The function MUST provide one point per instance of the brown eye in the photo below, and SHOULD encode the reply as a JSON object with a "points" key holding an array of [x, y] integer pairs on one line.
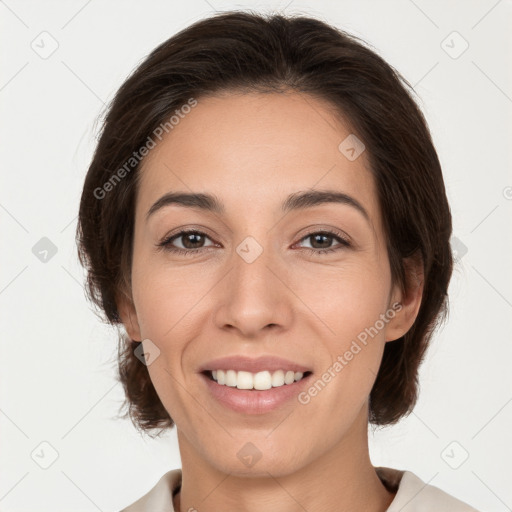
{"points": [[321, 239], [321, 242], [191, 241]]}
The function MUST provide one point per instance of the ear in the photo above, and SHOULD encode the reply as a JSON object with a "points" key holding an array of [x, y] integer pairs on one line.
{"points": [[410, 300], [128, 314]]}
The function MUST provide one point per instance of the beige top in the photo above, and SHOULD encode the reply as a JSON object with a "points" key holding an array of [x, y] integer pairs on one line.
{"points": [[412, 494]]}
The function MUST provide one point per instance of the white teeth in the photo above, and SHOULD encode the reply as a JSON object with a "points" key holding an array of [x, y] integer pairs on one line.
{"points": [[289, 377], [277, 378], [259, 381], [231, 378], [244, 380], [262, 380]]}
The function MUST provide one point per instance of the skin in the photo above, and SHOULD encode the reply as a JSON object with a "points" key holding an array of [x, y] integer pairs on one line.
{"points": [[251, 151]]}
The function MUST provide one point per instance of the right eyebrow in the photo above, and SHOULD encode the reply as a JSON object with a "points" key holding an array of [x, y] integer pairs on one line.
{"points": [[207, 202]]}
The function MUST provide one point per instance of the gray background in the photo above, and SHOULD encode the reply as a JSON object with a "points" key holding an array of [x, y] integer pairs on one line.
{"points": [[61, 62]]}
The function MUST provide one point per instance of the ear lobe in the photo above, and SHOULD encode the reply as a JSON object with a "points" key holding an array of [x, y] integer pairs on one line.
{"points": [[128, 315], [410, 300]]}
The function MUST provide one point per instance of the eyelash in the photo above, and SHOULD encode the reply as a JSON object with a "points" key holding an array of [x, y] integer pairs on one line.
{"points": [[165, 243]]}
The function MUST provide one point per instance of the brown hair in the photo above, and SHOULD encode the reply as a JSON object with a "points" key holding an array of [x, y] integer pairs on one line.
{"points": [[251, 52]]}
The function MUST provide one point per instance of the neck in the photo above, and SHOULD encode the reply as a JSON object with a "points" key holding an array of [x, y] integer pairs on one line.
{"points": [[341, 479]]}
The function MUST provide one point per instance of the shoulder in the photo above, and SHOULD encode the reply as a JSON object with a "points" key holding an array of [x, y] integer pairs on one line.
{"points": [[414, 495], [160, 496]]}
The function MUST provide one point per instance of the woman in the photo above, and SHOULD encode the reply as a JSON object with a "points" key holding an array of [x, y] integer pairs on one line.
{"points": [[265, 214]]}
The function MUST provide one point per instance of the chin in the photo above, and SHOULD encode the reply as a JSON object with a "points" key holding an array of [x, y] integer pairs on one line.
{"points": [[259, 458]]}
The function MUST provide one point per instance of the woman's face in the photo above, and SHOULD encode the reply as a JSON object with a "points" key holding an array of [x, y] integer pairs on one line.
{"points": [[261, 280]]}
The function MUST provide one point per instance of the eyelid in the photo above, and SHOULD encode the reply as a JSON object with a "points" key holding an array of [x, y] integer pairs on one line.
{"points": [[327, 230], [194, 228]]}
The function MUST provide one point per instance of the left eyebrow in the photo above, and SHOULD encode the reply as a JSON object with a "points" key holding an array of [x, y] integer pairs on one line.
{"points": [[310, 198], [296, 201]]}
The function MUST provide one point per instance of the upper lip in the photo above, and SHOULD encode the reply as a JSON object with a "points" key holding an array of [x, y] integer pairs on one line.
{"points": [[253, 365]]}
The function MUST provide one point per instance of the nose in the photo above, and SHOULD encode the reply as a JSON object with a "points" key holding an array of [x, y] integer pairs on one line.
{"points": [[253, 297]]}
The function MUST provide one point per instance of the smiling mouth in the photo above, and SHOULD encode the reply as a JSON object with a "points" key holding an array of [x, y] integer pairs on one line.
{"points": [[259, 381]]}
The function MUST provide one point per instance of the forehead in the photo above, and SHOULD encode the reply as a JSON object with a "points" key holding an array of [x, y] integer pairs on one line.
{"points": [[252, 150]]}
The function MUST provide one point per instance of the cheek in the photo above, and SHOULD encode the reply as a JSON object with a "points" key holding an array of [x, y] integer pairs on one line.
{"points": [[351, 302], [165, 296], [169, 303], [348, 297]]}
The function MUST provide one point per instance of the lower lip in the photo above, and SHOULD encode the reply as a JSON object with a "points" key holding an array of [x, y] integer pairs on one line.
{"points": [[255, 401]]}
